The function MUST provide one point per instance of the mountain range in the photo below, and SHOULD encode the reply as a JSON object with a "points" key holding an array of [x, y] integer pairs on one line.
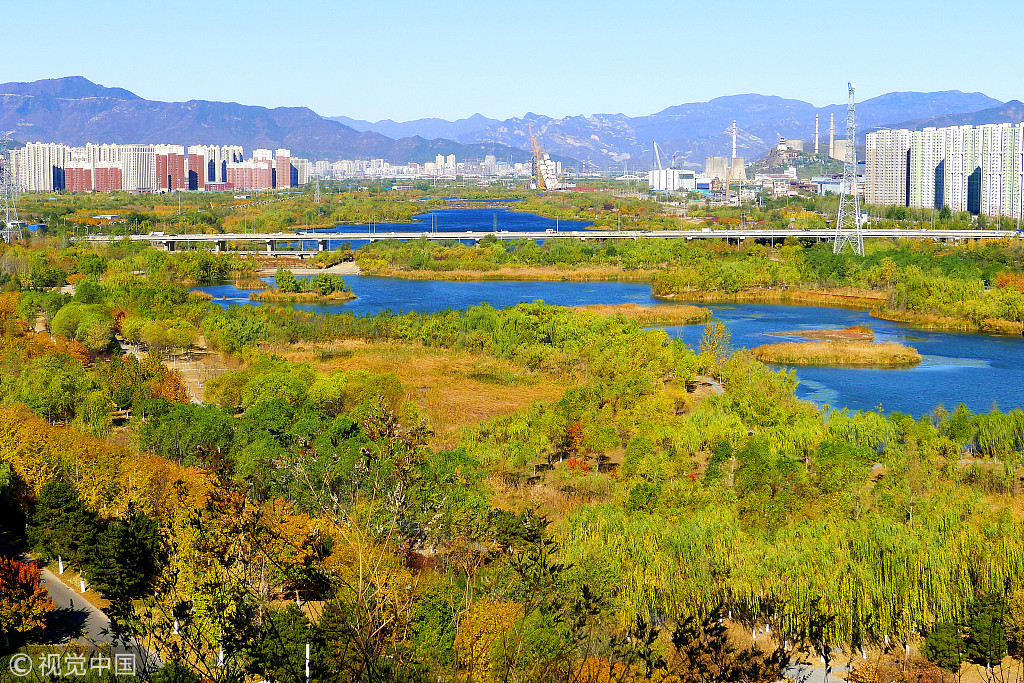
{"points": [[75, 110], [690, 132]]}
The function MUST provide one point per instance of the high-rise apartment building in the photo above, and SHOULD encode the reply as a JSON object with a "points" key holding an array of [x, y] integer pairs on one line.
{"points": [[170, 168], [283, 168], [975, 169]]}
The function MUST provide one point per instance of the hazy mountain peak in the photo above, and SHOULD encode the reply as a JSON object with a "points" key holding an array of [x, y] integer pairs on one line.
{"points": [[68, 87]]}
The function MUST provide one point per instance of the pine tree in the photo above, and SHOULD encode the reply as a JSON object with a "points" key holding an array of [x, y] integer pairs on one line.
{"points": [[125, 556], [60, 525]]}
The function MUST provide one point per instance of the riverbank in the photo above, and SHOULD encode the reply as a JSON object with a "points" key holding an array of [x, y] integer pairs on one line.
{"points": [[276, 296], [839, 354], [511, 273], [843, 298], [347, 268], [930, 321]]}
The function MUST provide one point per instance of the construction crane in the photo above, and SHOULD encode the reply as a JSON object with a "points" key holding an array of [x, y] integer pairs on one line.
{"points": [[657, 155], [538, 176], [544, 169]]}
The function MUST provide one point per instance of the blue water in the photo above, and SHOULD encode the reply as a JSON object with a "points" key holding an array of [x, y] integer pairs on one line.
{"points": [[981, 371], [453, 220]]}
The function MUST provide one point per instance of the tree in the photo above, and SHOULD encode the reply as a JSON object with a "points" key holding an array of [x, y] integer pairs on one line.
{"points": [[986, 642], [24, 603], [286, 281], [60, 524], [125, 556], [703, 653], [945, 646]]}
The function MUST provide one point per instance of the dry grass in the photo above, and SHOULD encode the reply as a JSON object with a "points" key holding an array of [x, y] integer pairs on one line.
{"points": [[276, 296], [851, 354], [844, 297], [945, 322], [664, 314], [453, 388], [552, 273], [852, 333]]}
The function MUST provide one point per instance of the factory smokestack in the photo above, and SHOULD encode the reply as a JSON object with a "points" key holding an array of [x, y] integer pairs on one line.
{"points": [[734, 138], [815, 133], [832, 136]]}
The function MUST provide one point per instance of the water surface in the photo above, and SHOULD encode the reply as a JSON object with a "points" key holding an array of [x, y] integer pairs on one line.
{"points": [[981, 371]]}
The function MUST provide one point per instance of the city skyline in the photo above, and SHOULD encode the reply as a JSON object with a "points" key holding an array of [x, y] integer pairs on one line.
{"points": [[457, 59]]}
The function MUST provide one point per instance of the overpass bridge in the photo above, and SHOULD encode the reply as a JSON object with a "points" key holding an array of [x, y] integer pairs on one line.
{"points": [[272, 243]]}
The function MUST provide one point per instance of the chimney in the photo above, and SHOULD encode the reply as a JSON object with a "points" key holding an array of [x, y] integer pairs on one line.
{"points": [[734, 138], [815, 133], [832, 136]]}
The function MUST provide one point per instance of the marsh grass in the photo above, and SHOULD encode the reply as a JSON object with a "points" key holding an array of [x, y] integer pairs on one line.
{"points": [[663, 314], [276, 296], [853, 354]]}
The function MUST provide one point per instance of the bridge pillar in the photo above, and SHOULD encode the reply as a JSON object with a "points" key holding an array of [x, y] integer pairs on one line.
{"points": [[220, 246], [271, 244], [321, 245], [169, 245]]}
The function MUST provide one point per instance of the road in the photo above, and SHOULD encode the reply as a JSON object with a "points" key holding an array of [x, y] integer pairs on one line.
{"points": [[77, 619]]}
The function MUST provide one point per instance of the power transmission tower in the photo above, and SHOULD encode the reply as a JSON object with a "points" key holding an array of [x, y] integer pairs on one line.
{"points": [[317, 197], [848, 222], [11, 231]]}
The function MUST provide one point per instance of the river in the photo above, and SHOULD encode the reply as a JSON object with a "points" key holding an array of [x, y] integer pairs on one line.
{"points": [[981, 371]]}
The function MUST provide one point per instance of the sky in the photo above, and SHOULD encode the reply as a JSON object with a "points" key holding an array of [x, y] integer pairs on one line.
{"points": [[449, 59]]}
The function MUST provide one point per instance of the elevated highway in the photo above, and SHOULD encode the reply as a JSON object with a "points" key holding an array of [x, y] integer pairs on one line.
{"points": [[273, 243]]}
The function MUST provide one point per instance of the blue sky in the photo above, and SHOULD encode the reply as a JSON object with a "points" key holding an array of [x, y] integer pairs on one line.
{"points": [[449, 59]]}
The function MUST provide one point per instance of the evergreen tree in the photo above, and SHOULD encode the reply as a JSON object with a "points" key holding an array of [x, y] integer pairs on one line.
{"points": [[986, 643], [945, 646], [125, 556], [60, 525]]}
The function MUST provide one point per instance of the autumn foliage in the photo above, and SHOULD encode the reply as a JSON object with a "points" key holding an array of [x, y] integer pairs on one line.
{"points": [[24, 602]]}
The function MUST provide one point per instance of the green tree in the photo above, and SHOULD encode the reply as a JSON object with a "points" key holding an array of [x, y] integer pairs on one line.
{"points": [[125, 556], [285, 280], [61, 525], [945, 646]]}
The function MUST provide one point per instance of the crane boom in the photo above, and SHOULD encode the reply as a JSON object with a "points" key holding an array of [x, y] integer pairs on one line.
{"points": [[536, 160]]}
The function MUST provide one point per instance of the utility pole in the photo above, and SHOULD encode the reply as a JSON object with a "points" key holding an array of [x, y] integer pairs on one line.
{"points": [[848, 221]]}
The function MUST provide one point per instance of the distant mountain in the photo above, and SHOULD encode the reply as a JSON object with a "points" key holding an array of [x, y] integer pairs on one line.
{"points": [[425, 128], [691, 132], [1010, 112], [75, 110]]}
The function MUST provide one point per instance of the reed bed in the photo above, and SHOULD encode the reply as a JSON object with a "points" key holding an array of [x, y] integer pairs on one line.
{"points": [[276, 296], [852, 333], [850, 354], [664, 314]]}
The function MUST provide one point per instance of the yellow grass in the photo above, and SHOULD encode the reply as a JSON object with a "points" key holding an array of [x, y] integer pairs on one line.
{"points": [[453, 388], [276, 296], [850, 298], [664, 314], [520, 273], [852, 333], [941, 322], [854, 354]]}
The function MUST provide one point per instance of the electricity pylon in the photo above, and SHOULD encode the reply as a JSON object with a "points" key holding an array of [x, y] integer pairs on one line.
{"points": [[848, 222], [11, 231]]}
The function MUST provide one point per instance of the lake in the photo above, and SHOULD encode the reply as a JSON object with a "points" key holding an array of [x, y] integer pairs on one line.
{"points": [[453, 220], [982, 371]]}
